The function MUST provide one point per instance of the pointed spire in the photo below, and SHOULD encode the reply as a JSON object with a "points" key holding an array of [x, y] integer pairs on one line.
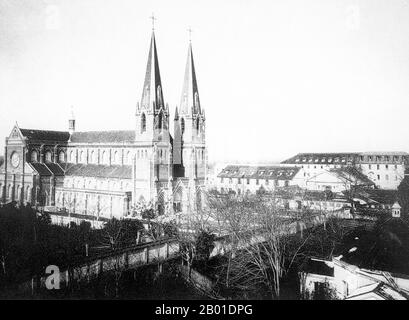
{"points": [[190, 102], [152, 95], [176, 114]]}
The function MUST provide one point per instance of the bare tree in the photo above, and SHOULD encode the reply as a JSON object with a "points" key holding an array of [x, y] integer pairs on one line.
{"points": [[259, 236]]}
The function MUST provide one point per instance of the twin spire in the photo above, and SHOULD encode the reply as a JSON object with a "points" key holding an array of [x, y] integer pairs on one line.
{"points": [[152, 95], [189, 101]]}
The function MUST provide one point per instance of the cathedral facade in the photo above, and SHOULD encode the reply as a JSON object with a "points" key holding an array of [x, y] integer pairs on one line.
{"points": [[108, 173]]}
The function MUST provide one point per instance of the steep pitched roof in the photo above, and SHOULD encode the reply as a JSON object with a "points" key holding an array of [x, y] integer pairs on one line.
{"points": [[41, 169], [189, 101], [55, 168], [114, 136], [95, 170], [45, 135]]}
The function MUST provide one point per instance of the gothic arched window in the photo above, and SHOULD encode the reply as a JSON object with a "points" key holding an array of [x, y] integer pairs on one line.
{"points": [[116, 157], [197, 125], [160, 120], [104, 157], [143, 123], [182, 125], [92, 157], [82, 157], [72, 156], [34, 156]]}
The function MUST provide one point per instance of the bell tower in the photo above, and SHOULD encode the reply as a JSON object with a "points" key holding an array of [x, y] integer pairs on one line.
{"points": [[190, 125], [152, 138]]}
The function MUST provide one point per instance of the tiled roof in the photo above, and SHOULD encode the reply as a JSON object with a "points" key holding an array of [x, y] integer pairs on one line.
{"points": [[55, 168], [96, 170], [45, 135], [115, 136], [259, 172], [321, 158], [41, 169]]}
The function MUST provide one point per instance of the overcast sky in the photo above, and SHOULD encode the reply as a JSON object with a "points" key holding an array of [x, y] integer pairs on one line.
{"points": [[275, 77]]}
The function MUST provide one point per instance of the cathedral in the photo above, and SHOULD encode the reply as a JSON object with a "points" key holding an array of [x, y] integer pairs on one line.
{"points": [[108, 173]]}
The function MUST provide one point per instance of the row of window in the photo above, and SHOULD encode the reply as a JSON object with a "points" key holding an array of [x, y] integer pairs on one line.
{"points": [[17, 192], [350, 158], [96, 184], [378, 176], [378, 166], [380, 158], [323, 160], [247, 181]]}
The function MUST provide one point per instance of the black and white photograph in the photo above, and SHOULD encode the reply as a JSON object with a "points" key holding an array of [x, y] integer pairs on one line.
{"points": [[223, 152]]}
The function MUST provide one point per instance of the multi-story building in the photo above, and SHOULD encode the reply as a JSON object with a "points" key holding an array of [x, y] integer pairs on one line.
{"points": [[243, 179], [104, 173], [254, 178], [385, 169]]}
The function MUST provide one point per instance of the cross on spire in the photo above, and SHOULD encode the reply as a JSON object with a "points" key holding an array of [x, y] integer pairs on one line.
{"points": [[153, 21], [190, 34]]}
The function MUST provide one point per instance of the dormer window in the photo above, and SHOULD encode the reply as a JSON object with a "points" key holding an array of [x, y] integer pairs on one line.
{"points": [[48, 156], [61, 157], [34, 156]]}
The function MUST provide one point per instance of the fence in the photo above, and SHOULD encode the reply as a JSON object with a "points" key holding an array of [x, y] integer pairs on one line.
{"points": [[128, 258]]}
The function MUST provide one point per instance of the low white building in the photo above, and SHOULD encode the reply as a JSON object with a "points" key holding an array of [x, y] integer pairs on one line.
{"points": [[243, 179], [337, 279], [337, 179]]}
